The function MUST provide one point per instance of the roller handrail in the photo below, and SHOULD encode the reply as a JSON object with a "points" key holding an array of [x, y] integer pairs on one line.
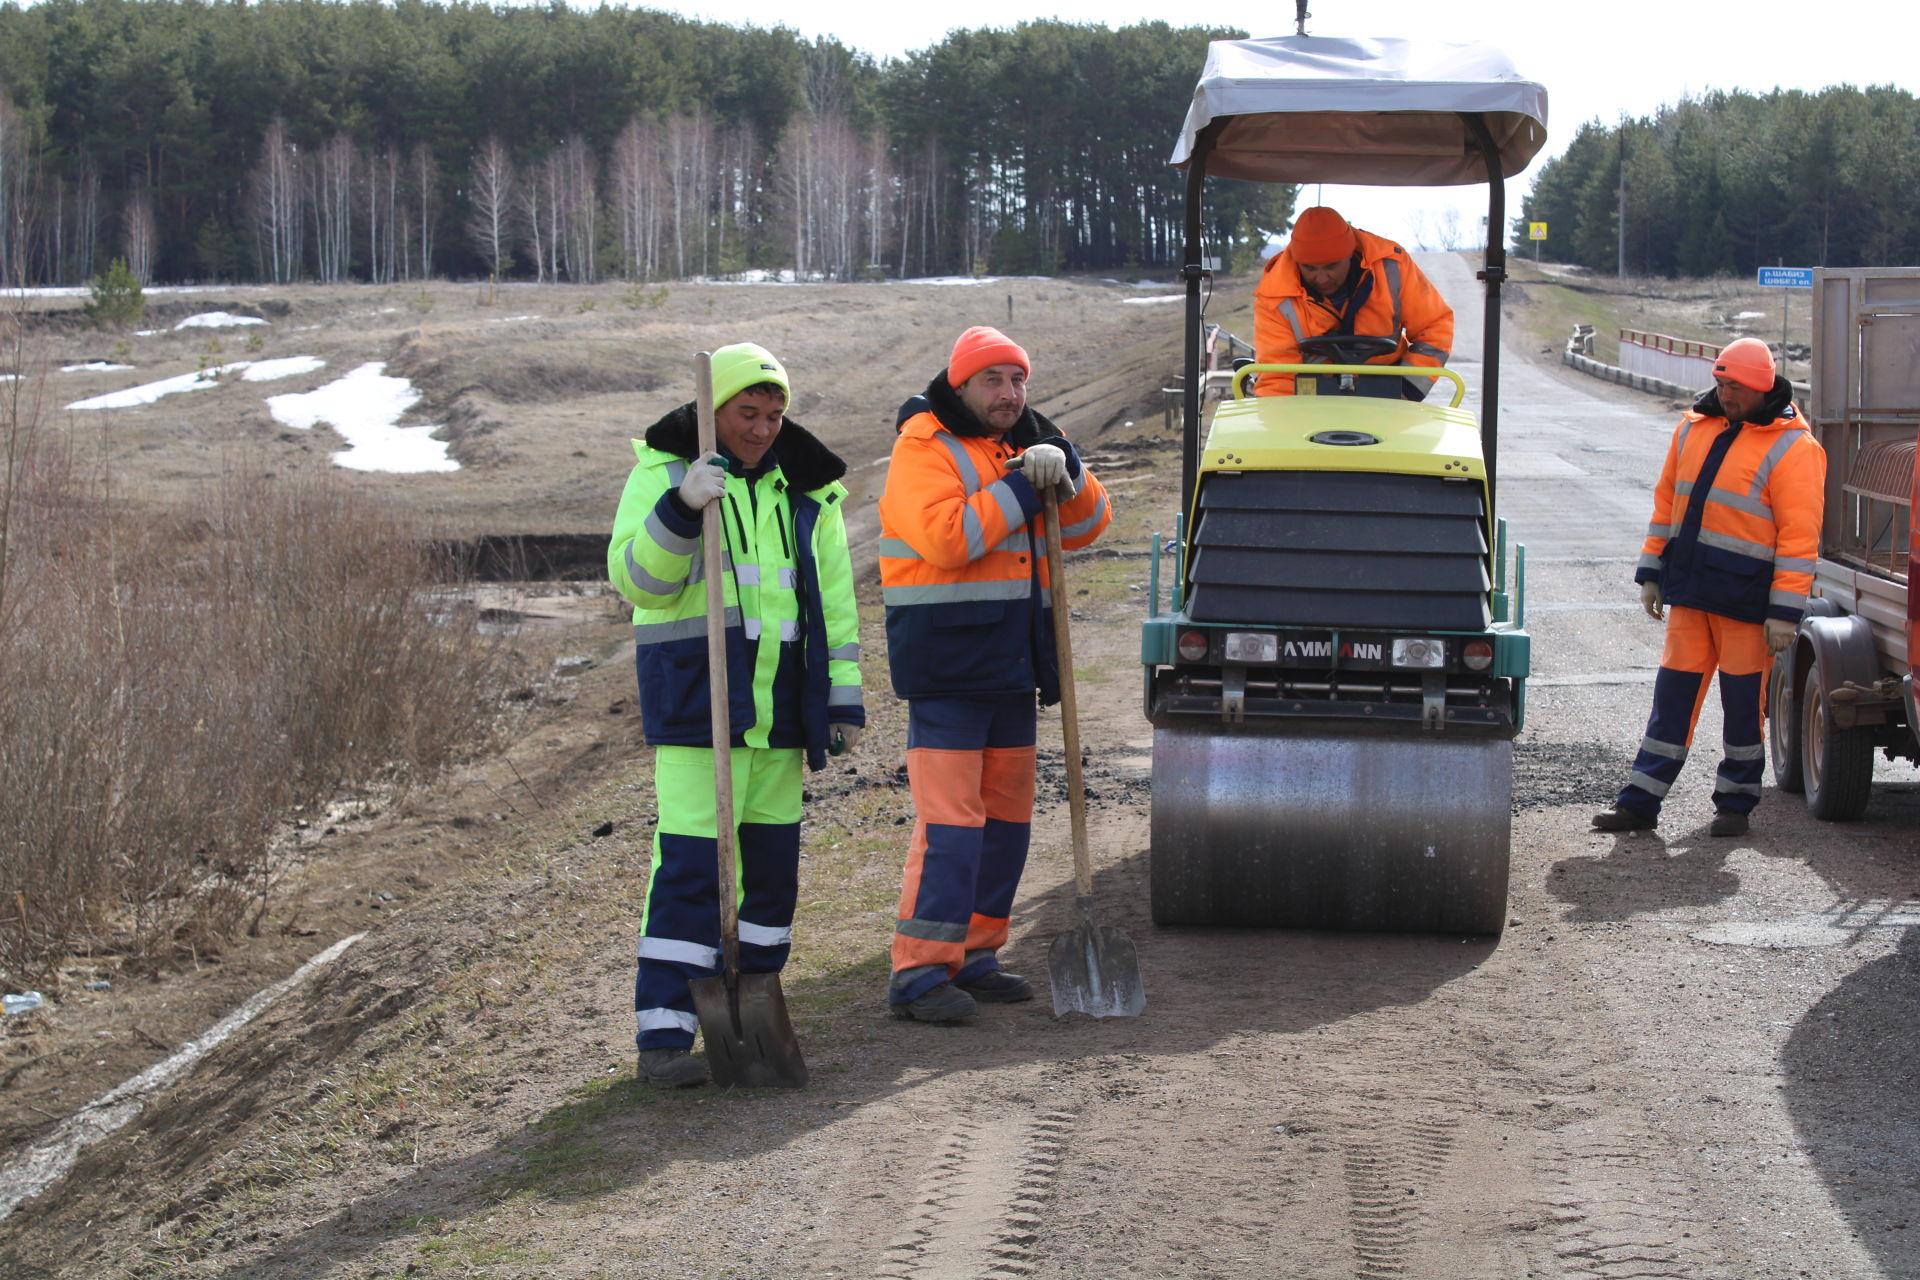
{"points": [[1363, 370]]}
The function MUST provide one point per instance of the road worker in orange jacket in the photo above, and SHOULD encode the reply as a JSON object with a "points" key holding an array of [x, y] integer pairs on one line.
{"points": [[1728, 561], [1333, 278], [963, 572]]}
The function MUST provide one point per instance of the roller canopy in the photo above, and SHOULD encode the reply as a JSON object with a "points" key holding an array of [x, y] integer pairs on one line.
{"points": [[1379, 112]]}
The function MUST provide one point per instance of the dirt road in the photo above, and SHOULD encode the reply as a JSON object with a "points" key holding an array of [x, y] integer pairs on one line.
{"points": [[1684, 1058]]}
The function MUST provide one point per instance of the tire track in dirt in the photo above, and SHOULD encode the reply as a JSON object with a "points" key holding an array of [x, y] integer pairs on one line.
{"points": [[978, 1208], [1610, 1198]]}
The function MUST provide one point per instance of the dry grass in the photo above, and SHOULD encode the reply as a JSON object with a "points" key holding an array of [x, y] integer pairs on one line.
{"points": [[176, 689]]}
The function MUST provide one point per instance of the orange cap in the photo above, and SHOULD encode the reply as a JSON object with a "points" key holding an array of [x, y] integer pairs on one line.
{"points": [[980, 347], [1749, 362], [1321, 235]]}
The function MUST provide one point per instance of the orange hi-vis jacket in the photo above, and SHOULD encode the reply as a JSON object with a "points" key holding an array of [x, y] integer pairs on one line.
{"points": [[963, 557], [1745, 547], [1398, 302]]}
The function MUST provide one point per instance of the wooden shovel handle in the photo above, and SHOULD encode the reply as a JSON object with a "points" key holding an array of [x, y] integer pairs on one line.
{"points": [[1069, 709], [712, 547]]}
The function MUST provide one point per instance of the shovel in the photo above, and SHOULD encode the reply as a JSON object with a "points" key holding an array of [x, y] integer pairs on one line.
{"points": [[1093, 967], [743, 1016]]}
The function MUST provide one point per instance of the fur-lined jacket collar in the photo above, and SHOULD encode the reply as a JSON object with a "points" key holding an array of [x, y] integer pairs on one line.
{"points": [[807, 463]]}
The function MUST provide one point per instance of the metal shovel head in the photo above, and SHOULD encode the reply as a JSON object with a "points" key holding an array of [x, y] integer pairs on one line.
{"points": [[749, 1038], [1094, 969]]}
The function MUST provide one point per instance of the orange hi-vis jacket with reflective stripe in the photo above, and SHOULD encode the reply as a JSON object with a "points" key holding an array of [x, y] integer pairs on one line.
{"points": [[963, 559], [1745, 547], [1401, 304]]}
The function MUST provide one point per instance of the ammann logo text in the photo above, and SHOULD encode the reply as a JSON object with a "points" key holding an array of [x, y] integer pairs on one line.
{"points": [[1374, 651]]}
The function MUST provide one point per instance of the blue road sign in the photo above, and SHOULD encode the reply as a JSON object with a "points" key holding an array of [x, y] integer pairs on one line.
{"points": [[1787, 277]]}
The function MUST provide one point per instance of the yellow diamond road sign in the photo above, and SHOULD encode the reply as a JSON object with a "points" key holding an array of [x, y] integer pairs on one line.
{"points": [[1536, 231]]}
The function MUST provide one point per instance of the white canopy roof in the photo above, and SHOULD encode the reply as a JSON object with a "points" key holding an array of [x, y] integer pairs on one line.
{"points": [[1382, 112]]}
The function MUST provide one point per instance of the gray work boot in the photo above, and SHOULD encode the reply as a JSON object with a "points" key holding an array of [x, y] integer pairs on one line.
{"points": [[997, 986], [1728, 823], [671, 1068], [945, 1003], [1621, 818]]}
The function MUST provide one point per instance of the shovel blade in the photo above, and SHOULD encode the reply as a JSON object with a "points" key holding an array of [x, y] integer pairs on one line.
{"points": [[1094, 969], [749, 1037]]}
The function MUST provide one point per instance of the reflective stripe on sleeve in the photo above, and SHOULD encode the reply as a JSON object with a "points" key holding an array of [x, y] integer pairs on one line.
{"points": [[969, 475], [845, 653], [976, 533], [1080, 527], [1010, 509], [666, 539], [647, 582], [1788, 599], [845, 695], [1792, 564], [898, 549]]}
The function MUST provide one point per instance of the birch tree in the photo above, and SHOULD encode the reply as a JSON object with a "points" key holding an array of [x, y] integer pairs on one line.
{"points": [[490, 223]]}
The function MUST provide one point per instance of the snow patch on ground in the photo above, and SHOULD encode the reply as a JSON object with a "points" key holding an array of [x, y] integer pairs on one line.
{"points": [[364, 408], [217, 320], [250, 370], [1147, 302], [94, 366]]}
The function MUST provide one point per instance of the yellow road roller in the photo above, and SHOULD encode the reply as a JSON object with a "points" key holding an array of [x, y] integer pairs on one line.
{"points": [[1335, 654]]}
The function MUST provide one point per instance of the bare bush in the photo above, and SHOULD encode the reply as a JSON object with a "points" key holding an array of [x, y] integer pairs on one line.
{"points": [[175, 691]]}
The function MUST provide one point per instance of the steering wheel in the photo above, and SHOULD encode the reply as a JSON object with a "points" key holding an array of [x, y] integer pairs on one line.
{"points": [[1347, 348]]}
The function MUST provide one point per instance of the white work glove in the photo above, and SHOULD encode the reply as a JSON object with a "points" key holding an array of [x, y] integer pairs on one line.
{"points": [[1780, 634], [1044, 466], [706, 479], [844, 740], [1650, 601]]}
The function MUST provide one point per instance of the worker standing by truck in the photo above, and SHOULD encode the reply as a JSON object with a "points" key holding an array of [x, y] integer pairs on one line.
{"points": [[1728, 561]]}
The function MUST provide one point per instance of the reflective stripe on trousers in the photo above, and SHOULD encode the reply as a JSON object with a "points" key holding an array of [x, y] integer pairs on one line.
{"points": [[1697, 645], [680, 932], [970, 764]]}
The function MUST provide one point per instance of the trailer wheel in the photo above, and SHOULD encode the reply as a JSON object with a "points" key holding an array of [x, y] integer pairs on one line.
{"points": [[1837, 763], [1783, 727]]}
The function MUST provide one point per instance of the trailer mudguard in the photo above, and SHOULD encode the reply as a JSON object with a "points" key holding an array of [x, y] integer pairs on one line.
{"points": [[1843, 652]]}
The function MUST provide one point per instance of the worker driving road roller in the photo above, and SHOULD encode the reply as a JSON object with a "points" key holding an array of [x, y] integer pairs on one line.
{"points": [[1335, 280]]}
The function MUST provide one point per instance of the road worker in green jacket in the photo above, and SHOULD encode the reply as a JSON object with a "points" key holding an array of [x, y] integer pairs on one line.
{"points": [[793, 676]]}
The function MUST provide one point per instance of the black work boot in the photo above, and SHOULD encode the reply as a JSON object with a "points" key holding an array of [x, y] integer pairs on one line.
{"points": [[1728, 823], [671, 1068], [945, 1003], [1621, 818], [997, 986]]}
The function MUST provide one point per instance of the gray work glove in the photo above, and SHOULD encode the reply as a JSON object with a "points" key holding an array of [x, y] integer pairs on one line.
{"points": [[844, 741], [1044, 466], [1780, 634], [1650, 601], [706, 479]]}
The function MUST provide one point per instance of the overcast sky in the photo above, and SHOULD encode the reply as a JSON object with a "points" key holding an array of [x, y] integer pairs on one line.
{"points": [[1597, 59]]}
